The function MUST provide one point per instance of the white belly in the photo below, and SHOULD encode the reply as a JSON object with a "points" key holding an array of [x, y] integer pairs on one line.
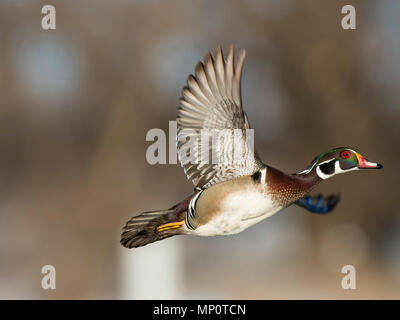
{"points": [[239, 211]]}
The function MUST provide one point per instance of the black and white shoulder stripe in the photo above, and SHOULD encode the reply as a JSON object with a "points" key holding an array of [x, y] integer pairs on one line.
{"points": [[191, 211]]}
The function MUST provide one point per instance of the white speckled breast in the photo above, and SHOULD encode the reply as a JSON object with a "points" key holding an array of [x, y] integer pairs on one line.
{"points": [[236, 211]]}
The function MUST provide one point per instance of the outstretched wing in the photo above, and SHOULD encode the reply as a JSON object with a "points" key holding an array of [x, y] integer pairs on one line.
{"points": [[212, 141], [319, 204]]}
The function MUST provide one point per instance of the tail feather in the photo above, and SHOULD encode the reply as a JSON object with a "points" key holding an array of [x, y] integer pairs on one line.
{"points": [[151, 226]]}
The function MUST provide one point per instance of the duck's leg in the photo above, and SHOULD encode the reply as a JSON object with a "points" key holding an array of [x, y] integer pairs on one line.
{"points": [[319, 204]]}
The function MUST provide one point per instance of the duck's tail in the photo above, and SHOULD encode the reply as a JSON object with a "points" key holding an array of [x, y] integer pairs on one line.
{"points": [[152, 226]]}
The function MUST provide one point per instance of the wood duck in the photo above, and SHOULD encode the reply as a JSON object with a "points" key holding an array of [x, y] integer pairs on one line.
{"points": [[231, 196]]}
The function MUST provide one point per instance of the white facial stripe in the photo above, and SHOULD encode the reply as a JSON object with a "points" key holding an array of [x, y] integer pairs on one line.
{"points": [[309, 170], [326, 161]]}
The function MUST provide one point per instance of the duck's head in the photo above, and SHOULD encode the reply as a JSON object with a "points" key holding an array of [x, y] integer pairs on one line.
{"points": [[339, 160]]}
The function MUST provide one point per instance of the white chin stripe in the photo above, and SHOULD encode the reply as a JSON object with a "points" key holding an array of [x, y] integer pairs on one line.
{"points": [[338, 170], [323, 175]]}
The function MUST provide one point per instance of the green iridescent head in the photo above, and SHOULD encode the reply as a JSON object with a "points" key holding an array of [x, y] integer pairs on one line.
{"points": [[339, 160]]}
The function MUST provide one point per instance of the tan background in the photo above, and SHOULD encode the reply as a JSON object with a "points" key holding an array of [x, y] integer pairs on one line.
{"points": [[77, 102]]}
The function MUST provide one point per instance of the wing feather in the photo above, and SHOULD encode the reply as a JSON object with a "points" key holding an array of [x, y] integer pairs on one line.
{"points": [[211, 102]]}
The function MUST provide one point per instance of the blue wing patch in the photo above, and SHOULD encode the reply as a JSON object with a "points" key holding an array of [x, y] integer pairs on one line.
{"points": [[319, 204]]}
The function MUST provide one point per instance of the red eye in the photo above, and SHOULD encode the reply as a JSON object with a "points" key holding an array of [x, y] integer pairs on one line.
{"points": [[345, 154]]}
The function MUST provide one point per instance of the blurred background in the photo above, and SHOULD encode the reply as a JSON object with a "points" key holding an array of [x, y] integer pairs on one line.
{"points": [[76, 104]]}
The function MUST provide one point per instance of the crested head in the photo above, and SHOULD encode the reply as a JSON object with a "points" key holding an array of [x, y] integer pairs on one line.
{"points": [[339, 160]]}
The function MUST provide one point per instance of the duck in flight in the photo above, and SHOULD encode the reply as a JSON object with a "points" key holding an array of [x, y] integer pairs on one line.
{"points": [[230, 196]]}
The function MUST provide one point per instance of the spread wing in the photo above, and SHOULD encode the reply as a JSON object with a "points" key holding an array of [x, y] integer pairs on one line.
{"points": [[214, 140]]}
